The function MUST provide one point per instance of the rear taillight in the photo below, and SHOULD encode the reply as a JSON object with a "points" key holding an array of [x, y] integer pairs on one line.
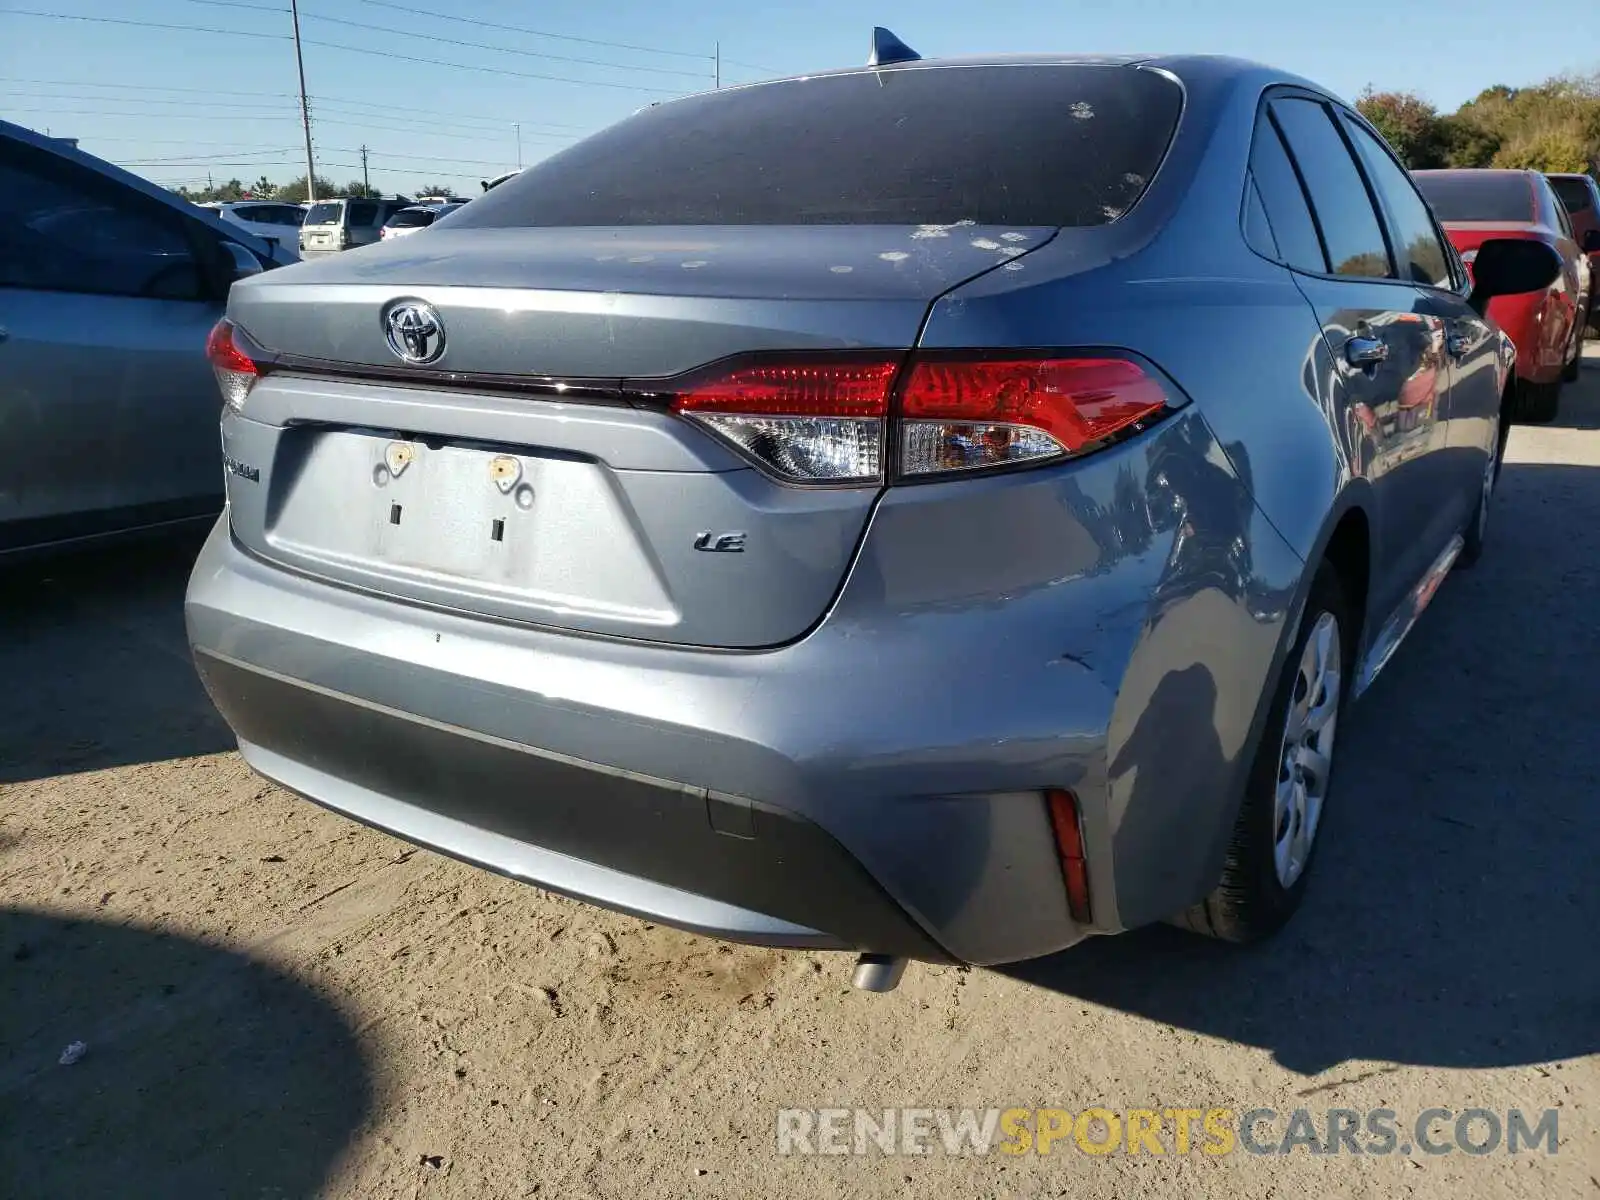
{"points": [[236, 372], [836, 419], [808, 422], [963, 415]]}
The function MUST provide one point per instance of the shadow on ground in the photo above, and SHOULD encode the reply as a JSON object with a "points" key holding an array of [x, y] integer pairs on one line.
{"points": [[96, 665], [1580, 400], [1451, 920], [206, 1074]]}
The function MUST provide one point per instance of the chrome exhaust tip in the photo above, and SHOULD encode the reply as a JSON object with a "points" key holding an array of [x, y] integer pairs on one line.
{"points": [[878, 972]]}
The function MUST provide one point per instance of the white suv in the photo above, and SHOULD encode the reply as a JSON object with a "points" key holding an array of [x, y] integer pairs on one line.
{"points": [[277, 221]]}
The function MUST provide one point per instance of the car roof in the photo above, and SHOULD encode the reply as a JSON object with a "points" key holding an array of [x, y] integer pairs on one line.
{"points": [[1478, 172], [172, 200], [1197, 68]]}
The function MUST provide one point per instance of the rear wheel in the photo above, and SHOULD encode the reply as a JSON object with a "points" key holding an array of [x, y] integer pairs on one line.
{"points": [[1275, 837], [1472, 551], [1569, 373], [1534, 403]]}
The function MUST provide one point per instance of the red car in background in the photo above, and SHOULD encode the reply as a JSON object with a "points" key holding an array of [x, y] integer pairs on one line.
{"points": [[1581, 195], [1546, 326]]}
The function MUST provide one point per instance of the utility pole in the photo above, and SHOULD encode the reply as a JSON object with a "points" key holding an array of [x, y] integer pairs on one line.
{"points": [[305, 108], [718, 70], [366, 184], [518, 129]]}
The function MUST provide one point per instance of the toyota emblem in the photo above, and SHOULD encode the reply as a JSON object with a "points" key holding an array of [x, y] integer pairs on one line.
{"points": [[416, 334]]}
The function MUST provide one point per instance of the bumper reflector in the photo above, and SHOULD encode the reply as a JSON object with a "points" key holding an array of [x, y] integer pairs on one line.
{"points": [[1069, 845]]}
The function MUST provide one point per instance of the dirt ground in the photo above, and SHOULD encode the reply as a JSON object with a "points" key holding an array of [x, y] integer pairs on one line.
{"points": [[277, 1002]]}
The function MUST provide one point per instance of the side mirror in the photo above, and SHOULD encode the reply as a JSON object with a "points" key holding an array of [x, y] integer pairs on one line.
{"points": [[1507, 266], [245, 264], [1591, 241]]}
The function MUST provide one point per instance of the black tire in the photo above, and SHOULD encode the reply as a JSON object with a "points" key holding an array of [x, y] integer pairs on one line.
{"points": [[1250, 902], [1534, 403], [1569, 373], [1477, 528]]}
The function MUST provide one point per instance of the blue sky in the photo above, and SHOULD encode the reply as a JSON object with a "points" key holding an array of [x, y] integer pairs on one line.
{"points": [[177, 104]]}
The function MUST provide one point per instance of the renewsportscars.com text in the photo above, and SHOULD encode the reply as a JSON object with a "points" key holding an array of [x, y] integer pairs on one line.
{"points": [[970, 1132]]}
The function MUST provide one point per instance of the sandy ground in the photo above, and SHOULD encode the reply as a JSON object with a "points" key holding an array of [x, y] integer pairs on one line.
{"points": [[278, 1002]]}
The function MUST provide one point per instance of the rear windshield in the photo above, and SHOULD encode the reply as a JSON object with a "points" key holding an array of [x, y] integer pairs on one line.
{"points": [[1004, 145], [1477, 196], [1574, 193], [324, 214], [406, 219]]}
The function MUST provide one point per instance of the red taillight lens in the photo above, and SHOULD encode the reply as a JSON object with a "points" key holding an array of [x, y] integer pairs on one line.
{"points": [[822, 420], [963, 415], [1068, 827], [236, 372], [809, 422]]}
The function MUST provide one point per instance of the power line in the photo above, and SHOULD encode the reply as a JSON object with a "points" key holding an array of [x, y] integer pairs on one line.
{"points": [[24, 12], [561, 37], [271, 8], [316, 99], [436, 62], [438, 130], [462, 121], [138, 87], [283, 37], [37, 95], [145, 116], [429, 37]]}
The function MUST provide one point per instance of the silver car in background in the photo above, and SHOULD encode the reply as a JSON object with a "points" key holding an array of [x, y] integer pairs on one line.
{"points": [[938, 510], [109, 286]]}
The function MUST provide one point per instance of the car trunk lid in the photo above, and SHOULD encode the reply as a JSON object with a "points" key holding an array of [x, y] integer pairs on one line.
{"points": [[513, 477]]}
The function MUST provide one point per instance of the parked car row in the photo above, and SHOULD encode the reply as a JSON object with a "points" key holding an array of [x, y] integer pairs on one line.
{"points": [[334, 225], [1548, 326]]}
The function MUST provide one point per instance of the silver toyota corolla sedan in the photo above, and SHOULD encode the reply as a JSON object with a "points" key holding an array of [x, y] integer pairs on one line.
{"points": [[938, 510]]}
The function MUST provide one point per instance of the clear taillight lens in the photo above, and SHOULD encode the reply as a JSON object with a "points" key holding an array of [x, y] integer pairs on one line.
{"points": [[831, 419], [965, 415], [236, 372], [807, 422]]}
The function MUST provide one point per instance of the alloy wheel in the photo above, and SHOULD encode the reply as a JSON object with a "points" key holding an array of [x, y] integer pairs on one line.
{"points": [[1307, 756]]}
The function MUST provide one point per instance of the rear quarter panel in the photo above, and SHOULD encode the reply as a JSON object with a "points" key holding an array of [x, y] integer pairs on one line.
{"points": [[1237, 335]]}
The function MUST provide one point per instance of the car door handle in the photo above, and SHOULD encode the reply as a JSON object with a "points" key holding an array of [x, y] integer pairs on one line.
{"points": [[1365, 351], [1458, 344], [4, 333]]}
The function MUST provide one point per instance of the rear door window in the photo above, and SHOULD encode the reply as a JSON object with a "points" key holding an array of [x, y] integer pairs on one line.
{"points": [[1351, 231], [67, 229], [1418, 245], [1011, 145], [1284, 203], [363, 213]]}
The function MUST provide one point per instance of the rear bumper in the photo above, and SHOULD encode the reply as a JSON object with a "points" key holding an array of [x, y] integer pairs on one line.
{"points": [[547, 819], [750, 797], [877, 784]]}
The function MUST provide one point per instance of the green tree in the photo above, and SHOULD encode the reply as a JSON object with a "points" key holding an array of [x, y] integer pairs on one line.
{"points": [[1408, 123], [356, 188], [1466, 143], [433, 189], [295, 190], [264, 189]]}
